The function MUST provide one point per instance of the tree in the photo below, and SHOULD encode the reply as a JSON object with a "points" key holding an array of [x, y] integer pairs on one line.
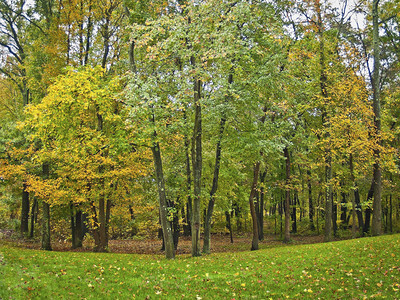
{"points": [[377, 176], [81, 128]]}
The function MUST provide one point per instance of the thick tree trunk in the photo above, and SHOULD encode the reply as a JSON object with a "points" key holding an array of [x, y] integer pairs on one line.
{"points": [[377, 204], [287, 196], [76, 227], [165, 224], [254, 243]]}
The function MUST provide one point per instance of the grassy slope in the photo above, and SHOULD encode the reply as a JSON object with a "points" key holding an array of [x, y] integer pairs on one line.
{"points": [[347, 269]]}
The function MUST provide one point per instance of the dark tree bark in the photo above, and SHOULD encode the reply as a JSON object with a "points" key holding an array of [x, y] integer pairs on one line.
{"points": [[254, 243], [208, 217], [294, 212], [343, 209], [210, 209], [33, 216], [197, 160], [165, 224], [377, 203], [229, 225], [310, 202], [46, 242], [25, 211], [260, 213], [188, 227], [287, 196], [76, 227], [368, 210], [334, 216], [358, 209]]}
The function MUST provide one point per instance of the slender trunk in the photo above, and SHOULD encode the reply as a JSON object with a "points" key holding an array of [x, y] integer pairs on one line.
{"points": [[353, 197], [132, 57], [261, 207], [208, 217], [343, 209], [102, 245], [358, 208], [73, 226], [207, 223], [106, 41], [33, 217], [377, 204], [294, 212], [287, 196], [165, 224], [310, 202], [46, 244], [24, 210], [229, 225], [334, 216], [254, 244], [88, 34], [78, 229], [188, 226], [176, 230], [368, 210], [107, 221], [197, 166], [390, 214]]}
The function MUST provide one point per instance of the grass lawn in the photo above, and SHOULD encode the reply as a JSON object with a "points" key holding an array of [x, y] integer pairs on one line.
{"points": [[351, 269]]}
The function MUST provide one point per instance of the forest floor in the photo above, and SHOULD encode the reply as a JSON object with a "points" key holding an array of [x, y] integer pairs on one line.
{"points": [[219, 243]]}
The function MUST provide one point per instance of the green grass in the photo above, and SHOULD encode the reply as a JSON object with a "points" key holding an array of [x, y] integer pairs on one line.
{"points": [[351, 269]]}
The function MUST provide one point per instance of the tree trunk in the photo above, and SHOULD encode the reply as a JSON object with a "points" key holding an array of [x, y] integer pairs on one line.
{"points": [[377, 204], [368, 210], [261, 207], [294, 212], [254, 244], [24, 211], [287, 197], [165, 224], [188, 227], [33, 216], [78, 229], [343, 209], [334, 216], [207, 223], [46, 244], [310, 202], [358, 208], [197, 168], [229, 225]]}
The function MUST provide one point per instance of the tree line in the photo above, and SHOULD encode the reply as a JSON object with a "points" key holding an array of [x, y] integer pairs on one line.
{"points": [[115, 112]]}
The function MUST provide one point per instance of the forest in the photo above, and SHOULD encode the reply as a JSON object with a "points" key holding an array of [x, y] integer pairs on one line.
{"points": [[131, 119]]}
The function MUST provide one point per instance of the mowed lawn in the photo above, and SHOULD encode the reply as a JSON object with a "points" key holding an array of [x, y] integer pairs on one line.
{"points": [[352, 269]]}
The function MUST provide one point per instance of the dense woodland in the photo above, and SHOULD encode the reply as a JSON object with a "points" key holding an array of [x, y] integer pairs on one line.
{"points": [[129, 118]]}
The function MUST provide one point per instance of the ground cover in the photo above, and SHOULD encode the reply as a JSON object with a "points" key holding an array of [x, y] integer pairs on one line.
{"points": [[350, 269]]}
